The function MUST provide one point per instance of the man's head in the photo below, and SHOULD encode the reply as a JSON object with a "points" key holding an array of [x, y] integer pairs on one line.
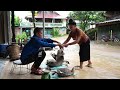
{"points": [[38, 32], [72, 25]]}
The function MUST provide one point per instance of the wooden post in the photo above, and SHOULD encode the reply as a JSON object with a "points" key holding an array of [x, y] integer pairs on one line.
{"points": [[33, 17], [43, 26], [53, 20], [13, 27], [111, 35], [95, 36], [9, 27], [43, 23]]}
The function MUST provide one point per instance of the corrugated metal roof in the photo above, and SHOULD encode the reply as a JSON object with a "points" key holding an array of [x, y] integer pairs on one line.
{"points": [[109, 21], [48, 15]]}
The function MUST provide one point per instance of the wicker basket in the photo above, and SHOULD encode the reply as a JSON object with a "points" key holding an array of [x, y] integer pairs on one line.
{"points": [[14, 51]]}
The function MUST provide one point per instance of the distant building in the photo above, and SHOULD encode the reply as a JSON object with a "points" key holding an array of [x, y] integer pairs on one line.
{"points": [[52, 20], [112, 23]]}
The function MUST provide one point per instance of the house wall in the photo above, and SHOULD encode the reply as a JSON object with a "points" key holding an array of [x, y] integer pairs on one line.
{"points": [[48, 31], [62, 31], [105, 30], [49, 27], [64, 22]]}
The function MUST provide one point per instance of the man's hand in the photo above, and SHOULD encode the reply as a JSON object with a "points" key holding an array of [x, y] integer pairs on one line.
{"points": [[60, 45]]}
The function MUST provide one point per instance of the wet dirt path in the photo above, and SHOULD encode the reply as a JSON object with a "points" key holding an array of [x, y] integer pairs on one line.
{"points": [[105, 59]]}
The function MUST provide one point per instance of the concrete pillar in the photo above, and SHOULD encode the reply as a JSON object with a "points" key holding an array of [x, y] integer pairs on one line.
{"points": [[5, 34]]}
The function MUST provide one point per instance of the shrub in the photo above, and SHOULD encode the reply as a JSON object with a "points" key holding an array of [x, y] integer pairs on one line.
{"points": [[91, 33], [55, 32], [21, 37]]}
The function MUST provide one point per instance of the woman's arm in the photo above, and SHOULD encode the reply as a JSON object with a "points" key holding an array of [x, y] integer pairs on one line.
{"points": [[74, 42], [67, 40]]}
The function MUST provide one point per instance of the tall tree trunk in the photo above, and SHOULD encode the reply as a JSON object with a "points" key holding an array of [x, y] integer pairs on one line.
{"points": [[13, 26], [43, 23], [33, 18]]}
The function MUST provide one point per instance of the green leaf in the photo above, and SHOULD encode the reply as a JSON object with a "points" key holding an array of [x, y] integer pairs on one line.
{"points": [[86, 17]]}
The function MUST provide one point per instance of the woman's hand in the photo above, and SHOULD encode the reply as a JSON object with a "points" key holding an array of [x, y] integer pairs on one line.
{"points": [[60, 45], [65, 45]]}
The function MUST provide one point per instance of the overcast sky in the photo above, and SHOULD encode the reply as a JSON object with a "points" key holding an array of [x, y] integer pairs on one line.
{"points": [[63, 13], [22, 14]]}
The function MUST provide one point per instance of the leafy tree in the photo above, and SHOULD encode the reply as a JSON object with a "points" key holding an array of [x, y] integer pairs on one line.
{"points": [[17, 21], [24, 35], [87, 17]]}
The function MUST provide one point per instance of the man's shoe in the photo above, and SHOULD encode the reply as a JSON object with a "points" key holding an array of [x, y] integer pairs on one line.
{"points": [[37, 71]]}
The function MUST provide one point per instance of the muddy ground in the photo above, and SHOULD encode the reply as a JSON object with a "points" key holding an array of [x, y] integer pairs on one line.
{"points": [[105, 59]]}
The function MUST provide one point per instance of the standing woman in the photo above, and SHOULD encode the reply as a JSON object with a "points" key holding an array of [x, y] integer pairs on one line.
{"points": [[82, 39]]}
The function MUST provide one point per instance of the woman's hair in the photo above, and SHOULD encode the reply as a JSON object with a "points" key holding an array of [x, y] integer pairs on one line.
{"points": [[72, 22], [36, 30]]}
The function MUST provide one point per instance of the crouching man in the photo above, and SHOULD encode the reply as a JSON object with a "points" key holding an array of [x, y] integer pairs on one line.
{"points": [[32, 51]]}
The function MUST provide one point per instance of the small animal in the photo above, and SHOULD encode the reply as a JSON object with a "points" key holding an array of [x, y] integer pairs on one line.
{"points": [[58, 59], [64, 72]]}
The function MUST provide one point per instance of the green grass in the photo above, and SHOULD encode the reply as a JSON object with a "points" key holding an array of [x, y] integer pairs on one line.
{"points": [[59, 36]]}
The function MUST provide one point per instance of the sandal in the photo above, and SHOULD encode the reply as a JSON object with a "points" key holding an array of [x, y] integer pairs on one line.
{"points": [[37, 72], [39, 68], [89, 65]]}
